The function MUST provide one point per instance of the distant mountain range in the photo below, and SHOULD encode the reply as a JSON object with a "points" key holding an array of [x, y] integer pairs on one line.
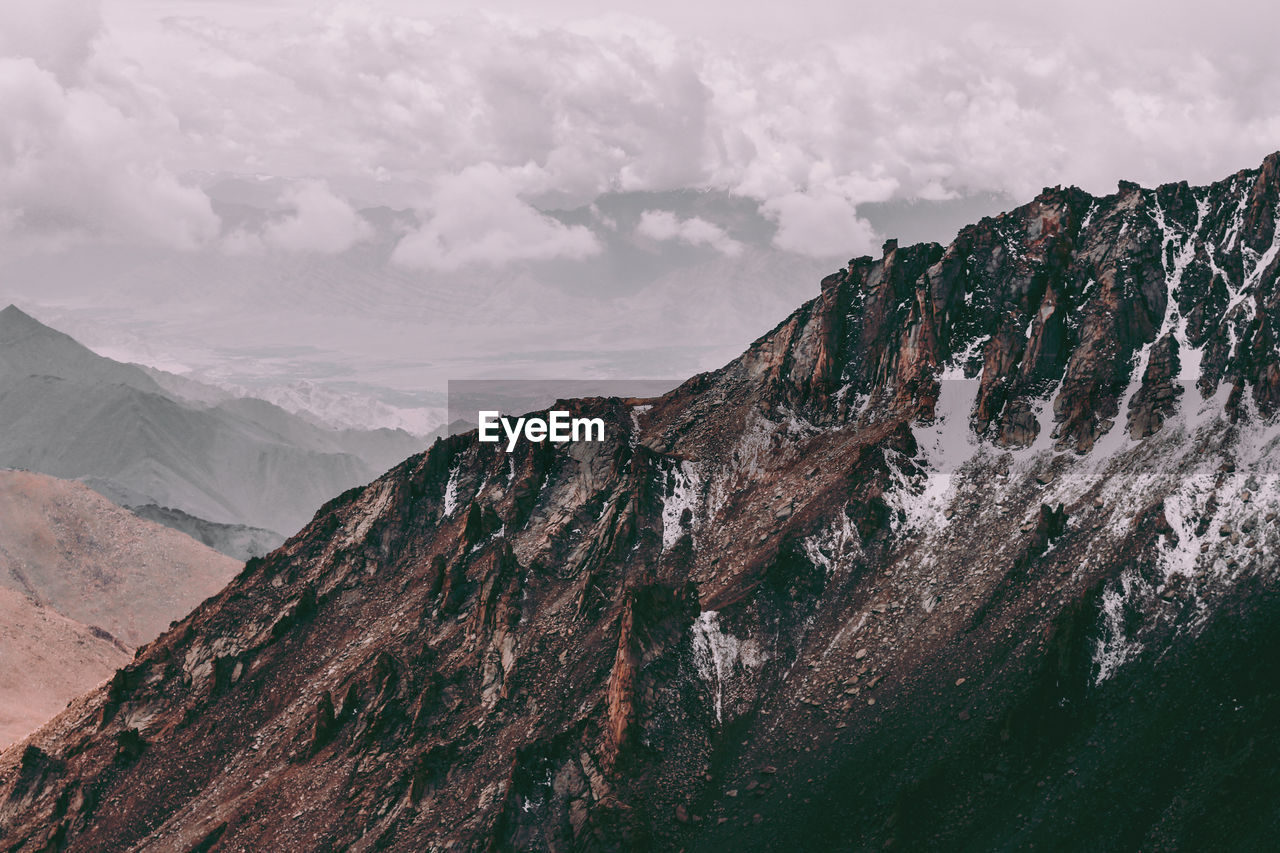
{"points": [[235, 540], [82, 583], [70, 413]]}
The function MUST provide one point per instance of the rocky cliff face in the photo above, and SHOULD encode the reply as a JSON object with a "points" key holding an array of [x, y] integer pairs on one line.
{"points": [[976, 550]]}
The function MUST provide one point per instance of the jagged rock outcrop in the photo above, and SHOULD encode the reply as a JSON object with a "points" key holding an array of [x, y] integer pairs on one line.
{"points": [[944, 561]]}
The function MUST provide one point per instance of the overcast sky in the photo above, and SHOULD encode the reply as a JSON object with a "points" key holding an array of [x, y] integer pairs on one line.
{"points": [[506, 134], [809, 109]]}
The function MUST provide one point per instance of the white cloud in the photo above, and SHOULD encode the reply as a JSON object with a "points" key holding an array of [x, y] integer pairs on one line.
{"points": [[626, 107], [80, 154], [478, 218], [81, 160], [318, 222], [389, 108], [663, 225], [819, 225], [57, 35]]}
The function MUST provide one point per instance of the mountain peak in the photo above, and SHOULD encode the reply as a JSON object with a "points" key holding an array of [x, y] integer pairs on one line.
{"points": [[33, 347], [14, 319], [32, 343], [73, 413]]}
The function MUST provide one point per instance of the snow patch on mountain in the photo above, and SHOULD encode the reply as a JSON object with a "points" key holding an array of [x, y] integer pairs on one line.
{"points": [[1114, 646], [834, 547], [451, 490], [923, 485], [680, 491], [718, 656]]}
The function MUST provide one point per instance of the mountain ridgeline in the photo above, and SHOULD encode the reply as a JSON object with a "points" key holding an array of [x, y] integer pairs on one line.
{"points": [[976, 550]]}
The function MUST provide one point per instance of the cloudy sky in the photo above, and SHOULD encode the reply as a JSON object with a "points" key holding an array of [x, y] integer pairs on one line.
{"points": [[368, 198]]}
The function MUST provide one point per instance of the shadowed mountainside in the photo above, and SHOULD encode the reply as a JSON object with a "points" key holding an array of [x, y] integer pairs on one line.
{"points": [[238, 541]]}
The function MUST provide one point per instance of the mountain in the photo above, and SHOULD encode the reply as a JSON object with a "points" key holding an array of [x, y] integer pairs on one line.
{"points": [[237, 541], [66, 547], [975, 550], [82, 582], [70, 413], [46, 659]]}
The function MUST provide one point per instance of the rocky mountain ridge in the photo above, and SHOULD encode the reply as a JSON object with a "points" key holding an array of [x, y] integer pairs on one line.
{"points": [[976, 550]]}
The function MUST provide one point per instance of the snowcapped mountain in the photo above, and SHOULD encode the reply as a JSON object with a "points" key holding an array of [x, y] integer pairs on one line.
{"points": [[975, 550]]}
